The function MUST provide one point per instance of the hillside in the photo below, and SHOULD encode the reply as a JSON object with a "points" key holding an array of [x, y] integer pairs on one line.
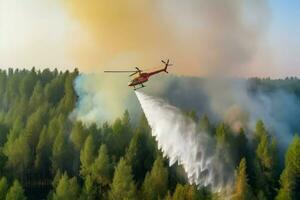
{"points": [[46, 155]]}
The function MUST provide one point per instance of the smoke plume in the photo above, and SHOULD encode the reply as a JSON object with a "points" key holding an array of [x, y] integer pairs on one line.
{"points": [[100, 98], [233, 101], [105, 97], [202, 37], [179, 140]]}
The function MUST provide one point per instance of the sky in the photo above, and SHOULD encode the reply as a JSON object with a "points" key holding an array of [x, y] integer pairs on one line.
{"points": [[201, 37]]}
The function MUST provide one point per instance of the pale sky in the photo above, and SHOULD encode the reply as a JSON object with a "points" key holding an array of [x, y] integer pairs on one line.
{"points": [[92, 36]]}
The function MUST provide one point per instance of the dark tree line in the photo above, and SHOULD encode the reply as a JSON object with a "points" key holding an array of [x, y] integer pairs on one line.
{"points": [[44, 155]]}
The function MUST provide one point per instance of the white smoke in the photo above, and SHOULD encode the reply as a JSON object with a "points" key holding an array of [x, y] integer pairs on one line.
{"points": [[179, 141]]}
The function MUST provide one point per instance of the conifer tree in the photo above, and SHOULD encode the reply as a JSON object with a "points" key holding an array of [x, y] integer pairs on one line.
{"points": [[242, 189], [16, 192], [60, 152], [3, 187], [155, 185], [89, 189], [67, 188], [18, 158], [140, 155], [43, 153], [78, 135], [101, 167], [123, 186], [187, 192], [266, 163], [87, 156], [289, 178]]}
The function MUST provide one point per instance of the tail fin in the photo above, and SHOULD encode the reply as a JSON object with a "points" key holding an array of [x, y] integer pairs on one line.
{"points": [[166, 65]]}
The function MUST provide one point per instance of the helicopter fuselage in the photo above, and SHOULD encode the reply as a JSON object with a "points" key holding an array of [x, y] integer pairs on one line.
{"points": [[142, 78]]}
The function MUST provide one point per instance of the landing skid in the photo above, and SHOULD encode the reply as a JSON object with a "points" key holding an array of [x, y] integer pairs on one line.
{"points": [[142, 86]]}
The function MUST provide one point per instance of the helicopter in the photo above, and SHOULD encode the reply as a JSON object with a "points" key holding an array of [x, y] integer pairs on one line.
{"points": [[142, 76]]}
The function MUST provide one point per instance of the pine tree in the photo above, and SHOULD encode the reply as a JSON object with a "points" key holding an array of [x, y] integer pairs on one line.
{"points": [[37, 97], [156, 183], [240, 145], [60, 153], [101, 167], [18, 158], [222, 135], [78, 135], [16, 192], [34, 125], [186, 192], [123, 186], [266, 164], [168, 196], [89, 189], [121, 136], [3, 187], [68, 101], [67, 188], [56, 178], [140, 155], [242, 189], [87, 156], [43, 153], [260, 129], [289, 178]]}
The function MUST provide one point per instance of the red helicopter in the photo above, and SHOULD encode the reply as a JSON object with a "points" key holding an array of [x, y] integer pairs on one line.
{"points": [[142, 76]]}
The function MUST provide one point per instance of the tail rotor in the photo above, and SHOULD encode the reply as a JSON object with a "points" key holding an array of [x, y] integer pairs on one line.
{"points": [[166, 65]]}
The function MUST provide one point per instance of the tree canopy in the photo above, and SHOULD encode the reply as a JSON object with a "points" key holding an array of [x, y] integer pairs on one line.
{"points": [[45, 154]]}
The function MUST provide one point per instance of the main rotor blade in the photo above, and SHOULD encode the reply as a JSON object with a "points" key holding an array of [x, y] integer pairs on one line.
{"points": [[138, 69], [116, 71], [133, 73]]}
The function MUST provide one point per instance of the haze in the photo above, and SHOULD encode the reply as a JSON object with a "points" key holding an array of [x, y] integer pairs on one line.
{"points": [[235, 38]]}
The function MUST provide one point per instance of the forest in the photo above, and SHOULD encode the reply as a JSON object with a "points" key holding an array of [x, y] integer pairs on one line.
{"points": [[46, 155]]}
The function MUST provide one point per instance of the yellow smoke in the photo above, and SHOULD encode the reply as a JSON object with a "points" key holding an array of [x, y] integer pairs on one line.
{"points": [[201, 37], [123, 33]]}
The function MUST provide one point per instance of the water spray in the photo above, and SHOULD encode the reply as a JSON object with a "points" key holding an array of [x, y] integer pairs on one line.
{"points": [[179, 140]]}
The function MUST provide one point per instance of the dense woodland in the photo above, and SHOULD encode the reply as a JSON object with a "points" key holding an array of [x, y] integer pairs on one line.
{"points": [[45, 155]]}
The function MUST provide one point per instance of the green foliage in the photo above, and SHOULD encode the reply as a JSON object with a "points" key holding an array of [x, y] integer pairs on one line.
{"points": [[16, 192], [89, 189], [78, 135], [289, 180], [67, 188], [123, 186], [60, 152], [87, 156], [38, 142], [156, 182], [193, 115], [3, 187], [242, 189], [140, 154], [34, 125], [56, 178], [222, 135], [101, 168], [18, 158], [121, 135], [186, 192], [43, 151], [266, 163], [204, 125]]}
